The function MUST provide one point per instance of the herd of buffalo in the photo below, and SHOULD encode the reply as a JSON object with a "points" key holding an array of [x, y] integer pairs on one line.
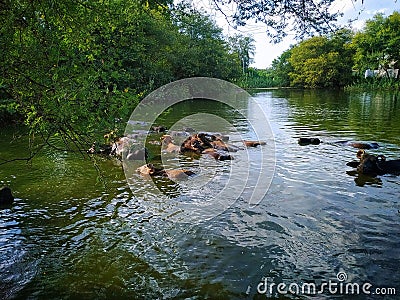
{"points": [[216, 146], [213, 145], [367, 164]]}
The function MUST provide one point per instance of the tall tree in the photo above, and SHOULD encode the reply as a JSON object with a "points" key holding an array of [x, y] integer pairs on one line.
{"points": [[281, 68], [377, 45], [244, 48], [202, 49]]}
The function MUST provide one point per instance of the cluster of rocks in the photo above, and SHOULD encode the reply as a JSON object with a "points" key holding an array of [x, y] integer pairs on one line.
{"points": [[213, 145]]}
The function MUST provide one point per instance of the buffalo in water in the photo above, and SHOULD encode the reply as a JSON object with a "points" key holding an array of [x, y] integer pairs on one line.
{"points": [[374, 165], [207, 144], [6, 197], [304, 141], [150, 169]]}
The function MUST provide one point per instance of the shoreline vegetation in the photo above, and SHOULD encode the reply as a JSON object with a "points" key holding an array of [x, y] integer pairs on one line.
{"points": [[376, 84], [77, 70], [367, 59]]}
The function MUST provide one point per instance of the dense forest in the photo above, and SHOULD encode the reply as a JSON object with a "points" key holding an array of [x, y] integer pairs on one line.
{"points": [[76, 69]]}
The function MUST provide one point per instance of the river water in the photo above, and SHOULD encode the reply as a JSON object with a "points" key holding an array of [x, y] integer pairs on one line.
{"points": [[77, 231]]}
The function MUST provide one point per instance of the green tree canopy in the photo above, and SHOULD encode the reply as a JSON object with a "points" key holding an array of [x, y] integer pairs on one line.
{"points": [[377, 45], [323, 61], [281, 68], [202, 49], [243, 46], [74, 68]]}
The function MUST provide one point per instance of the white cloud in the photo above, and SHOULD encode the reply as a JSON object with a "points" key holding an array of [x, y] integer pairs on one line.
{"points": [[358, 24], [374, 12]]}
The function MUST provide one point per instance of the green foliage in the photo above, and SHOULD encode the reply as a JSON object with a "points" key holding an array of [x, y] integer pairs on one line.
{"points": [[75, 68], [281, 68], [377, 45], [374, 84], [255, 78], [244, 48], [62, 79], [323, 61], [201, 47], [330, 60]]}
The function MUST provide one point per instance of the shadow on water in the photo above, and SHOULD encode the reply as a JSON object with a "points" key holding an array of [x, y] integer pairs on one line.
{"points": [[76, 233]]}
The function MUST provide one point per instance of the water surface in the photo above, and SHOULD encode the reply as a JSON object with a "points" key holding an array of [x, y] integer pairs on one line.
{"points": [[76, 230]]}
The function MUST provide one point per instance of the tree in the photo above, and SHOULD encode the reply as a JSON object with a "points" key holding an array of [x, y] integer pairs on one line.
{"points": [[323, 61], [74, 68], [281, 68], [201, 48], [244, 48], [305, 17], [377, 45]]}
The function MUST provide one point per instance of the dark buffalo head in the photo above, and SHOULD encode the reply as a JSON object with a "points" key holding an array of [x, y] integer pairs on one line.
{"points": [[308, 141], [6, 197], [370, 164]]}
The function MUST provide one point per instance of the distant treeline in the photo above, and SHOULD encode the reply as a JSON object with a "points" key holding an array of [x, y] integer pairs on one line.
{"points": [[337, 60]]}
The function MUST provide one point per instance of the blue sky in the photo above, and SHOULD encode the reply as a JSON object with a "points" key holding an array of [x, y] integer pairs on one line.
{"points": [[266, 52]]}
